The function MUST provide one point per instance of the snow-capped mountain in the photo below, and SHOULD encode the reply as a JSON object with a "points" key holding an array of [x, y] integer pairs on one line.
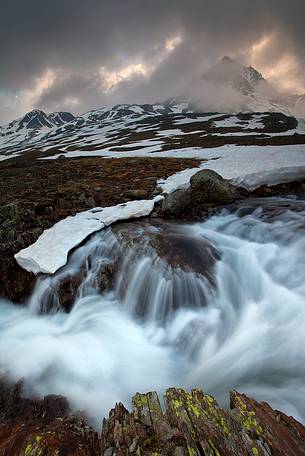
{"points": [[34, 123], [228, 87], [231, 87], [246, 80], [37, 127]]}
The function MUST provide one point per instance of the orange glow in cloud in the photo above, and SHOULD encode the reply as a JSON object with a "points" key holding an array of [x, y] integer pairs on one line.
{"points": [[258, 48], [172, 43], [111, 79], [284, 74]]}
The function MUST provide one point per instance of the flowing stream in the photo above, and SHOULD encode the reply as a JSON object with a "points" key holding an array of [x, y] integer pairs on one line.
{"points": [[218, 304]]}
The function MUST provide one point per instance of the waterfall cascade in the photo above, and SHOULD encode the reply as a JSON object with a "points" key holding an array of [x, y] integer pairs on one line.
{"points": [[218, 304]]}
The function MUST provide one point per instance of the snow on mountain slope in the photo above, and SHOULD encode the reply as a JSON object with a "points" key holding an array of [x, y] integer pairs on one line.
{"points": [[37, 129], [32, 124], [152, 128], [228, 87]]}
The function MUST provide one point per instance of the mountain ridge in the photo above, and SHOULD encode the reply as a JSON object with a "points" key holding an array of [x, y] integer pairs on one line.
{"points": [[241, 89]]}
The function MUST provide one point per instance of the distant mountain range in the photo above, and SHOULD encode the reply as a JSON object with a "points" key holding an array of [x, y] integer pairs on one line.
{"points": [[34, 123], [228, 87]]}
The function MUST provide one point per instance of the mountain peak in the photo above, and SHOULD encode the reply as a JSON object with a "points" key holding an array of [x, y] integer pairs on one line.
{"points": [[227, 59]]}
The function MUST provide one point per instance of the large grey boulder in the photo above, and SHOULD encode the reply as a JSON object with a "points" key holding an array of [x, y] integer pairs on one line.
{"points": [[208, 187], [207, 190], [176, 203]]}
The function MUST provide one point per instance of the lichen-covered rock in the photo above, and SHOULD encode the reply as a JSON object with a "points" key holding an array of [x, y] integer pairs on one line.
{"points": [[190, 424], [42, 427], [193, 424]]}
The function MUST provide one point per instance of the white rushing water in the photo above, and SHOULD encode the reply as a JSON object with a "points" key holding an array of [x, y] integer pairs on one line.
{"points": [[162, 326]]}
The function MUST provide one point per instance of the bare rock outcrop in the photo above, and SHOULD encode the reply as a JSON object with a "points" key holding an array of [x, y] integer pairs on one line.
{"points": [[193, 424], [189, 424]]}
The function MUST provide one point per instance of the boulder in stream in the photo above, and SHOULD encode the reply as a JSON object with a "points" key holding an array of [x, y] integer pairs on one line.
{"points": [[207, 190]]}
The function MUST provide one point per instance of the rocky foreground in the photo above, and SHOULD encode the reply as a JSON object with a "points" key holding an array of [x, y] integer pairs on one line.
{"points": [[189, 424]]}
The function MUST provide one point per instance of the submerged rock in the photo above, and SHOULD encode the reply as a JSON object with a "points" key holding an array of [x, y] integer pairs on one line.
{"points": [[164, 268], [67, 290], [207, 190], [105, 277], [189, 253]]}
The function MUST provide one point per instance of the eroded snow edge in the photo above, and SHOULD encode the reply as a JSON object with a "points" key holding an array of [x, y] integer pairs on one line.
{"points": [[50, 252]]}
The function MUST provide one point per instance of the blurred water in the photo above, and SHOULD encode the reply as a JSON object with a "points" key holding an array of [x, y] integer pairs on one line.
{"points": [[162, 326]]}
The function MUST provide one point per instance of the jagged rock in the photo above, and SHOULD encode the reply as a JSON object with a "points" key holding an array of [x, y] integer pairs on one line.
{"points": [[193, 424], [207, 190]]}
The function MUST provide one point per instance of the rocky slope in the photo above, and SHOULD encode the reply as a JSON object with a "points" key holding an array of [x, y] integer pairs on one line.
{"points": [[190, 424]]}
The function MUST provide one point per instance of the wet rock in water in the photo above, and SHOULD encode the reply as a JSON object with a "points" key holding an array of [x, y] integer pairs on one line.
{"points": [[104, 277], [173, 269], [67, 290], [175, 247], [207, 190], [187, 253]]}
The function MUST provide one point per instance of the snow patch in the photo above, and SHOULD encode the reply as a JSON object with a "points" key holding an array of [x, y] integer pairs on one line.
{"points": [[246, 166], [50, 251]]}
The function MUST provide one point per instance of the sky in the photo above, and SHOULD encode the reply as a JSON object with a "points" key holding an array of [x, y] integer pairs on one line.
{"points": [[78, 55]]}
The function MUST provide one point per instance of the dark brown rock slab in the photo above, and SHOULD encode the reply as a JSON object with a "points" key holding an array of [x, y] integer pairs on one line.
{"points": [[187, 253]]}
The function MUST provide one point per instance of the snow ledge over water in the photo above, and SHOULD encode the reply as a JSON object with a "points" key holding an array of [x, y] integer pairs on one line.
{"points": [[50, 252]]}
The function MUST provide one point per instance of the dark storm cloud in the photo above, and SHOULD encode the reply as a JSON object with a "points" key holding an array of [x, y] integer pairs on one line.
{"points": [[75, 38]]}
